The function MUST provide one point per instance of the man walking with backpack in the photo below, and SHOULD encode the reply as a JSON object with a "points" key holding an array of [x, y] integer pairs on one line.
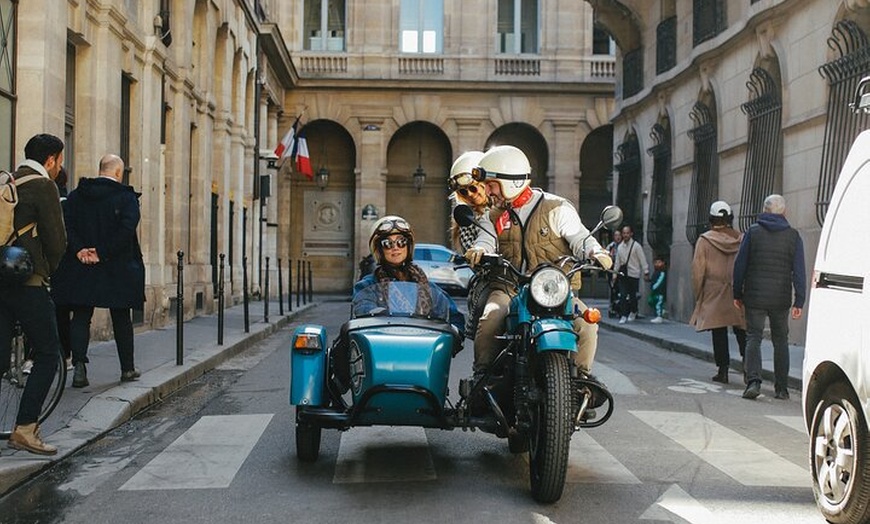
{"points": [[38, 229]]}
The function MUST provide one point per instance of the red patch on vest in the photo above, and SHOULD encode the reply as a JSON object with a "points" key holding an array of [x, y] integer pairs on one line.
{"points": [[503, 223]]}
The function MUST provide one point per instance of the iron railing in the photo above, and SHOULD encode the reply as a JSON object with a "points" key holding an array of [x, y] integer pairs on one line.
{"points": [[763, 171], [629, 185], [705, 174], [660, 228], [851, 45], [632, 73], [708, 19], [666, 45]]}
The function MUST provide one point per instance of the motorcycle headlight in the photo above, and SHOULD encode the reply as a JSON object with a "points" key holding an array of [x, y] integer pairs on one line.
{"points": [[550, 287]]}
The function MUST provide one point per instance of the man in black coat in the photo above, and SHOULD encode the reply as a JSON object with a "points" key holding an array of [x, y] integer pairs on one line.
{"points": [[103, 264]]}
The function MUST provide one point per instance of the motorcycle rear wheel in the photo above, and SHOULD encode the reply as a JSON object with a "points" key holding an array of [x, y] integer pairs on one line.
{"points": [[550, 433]]}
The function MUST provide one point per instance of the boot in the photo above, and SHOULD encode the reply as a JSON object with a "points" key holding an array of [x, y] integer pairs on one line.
{"points": [[80, 376], [26, 437], [722, 376]]}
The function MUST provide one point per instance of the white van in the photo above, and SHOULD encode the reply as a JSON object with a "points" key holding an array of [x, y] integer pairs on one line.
{"points": [[836, 369]]}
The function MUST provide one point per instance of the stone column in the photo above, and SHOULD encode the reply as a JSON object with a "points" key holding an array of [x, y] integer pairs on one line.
{"points": [[370, 179], [565, 171]]}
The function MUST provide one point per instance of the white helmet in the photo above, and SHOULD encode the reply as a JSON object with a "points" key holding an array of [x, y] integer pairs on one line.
{"points": [[460, 173], [721, 209], [507, 165], [386, 226]]}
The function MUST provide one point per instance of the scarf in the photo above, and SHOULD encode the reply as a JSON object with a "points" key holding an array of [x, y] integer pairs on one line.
{"points": [[407, 272]]}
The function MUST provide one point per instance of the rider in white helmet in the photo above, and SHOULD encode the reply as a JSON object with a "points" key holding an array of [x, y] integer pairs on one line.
{"points": [[466, 190], [532, 227]]}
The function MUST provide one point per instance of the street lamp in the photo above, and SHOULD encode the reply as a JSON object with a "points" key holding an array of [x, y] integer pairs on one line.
{"points": [[419, 175], [322, 178]]}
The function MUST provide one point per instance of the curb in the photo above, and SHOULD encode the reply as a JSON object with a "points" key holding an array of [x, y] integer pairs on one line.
{"points": [[107, 410]]}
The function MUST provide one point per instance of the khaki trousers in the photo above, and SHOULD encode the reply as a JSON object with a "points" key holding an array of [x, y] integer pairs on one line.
{"points": [[492, 324]]}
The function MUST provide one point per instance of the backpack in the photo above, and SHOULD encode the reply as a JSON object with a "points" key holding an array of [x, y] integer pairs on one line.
{"points": [[8, 201]]}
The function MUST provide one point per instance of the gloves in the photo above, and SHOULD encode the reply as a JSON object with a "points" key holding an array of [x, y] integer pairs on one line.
{"points": [[473, 255], [603, 258]]}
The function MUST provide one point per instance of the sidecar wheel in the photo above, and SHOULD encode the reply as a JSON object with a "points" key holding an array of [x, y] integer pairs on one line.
{"points": [[307, 442], [550, 433]]}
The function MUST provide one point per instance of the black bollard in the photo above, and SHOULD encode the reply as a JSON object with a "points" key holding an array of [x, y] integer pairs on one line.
{"points": [[290, 285], [280, 291], [221, 301], [298, 280], [245, 294], [310, 284], [266, 295], [179, 312], [304, 284]]}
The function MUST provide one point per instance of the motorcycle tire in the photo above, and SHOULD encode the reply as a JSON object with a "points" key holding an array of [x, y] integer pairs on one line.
{"points": [[551, 428]]}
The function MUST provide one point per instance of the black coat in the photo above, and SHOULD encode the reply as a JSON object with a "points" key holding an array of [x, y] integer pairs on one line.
{"points": [[103, 214]]}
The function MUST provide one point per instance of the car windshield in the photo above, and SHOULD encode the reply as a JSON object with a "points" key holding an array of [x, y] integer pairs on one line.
{"points": [[402, 299]]}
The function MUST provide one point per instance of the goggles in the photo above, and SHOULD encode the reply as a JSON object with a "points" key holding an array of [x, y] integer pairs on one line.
{"points": [[480, 174], [395, 224], [400, 242], [460, 180]]}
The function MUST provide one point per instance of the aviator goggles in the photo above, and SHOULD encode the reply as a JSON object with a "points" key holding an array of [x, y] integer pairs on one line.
{"points": [[395, 224], [460, 180], [480, 174], [400, 242]]}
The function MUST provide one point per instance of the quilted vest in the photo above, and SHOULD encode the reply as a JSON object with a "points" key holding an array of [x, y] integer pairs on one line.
{"points": [[535, 243], [768, 281]]}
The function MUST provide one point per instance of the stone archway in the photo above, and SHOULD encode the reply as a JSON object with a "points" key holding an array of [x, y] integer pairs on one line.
{"points": [[596, 174]]}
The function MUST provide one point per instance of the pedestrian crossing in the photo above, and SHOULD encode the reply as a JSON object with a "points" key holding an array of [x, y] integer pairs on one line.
{"points": [[212, 451]]}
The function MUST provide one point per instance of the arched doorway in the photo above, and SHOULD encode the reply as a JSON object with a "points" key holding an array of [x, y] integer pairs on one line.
{"points": [[596, 174]]}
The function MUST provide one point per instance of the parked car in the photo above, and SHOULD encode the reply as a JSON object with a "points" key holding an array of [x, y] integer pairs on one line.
{"points": [[836, 368], [438, 263]]}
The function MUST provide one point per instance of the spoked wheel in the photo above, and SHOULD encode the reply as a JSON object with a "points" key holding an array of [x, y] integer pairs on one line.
{"points": [[13, 382], [550, 432], [307, 441], [840, 458]]}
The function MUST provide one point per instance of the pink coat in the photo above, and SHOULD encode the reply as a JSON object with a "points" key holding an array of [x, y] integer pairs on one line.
{"points": [[712, 269]]}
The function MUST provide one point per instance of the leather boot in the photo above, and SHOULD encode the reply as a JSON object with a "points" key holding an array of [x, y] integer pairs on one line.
{"points": [[722, 376], [80, 376], [26, 437]]}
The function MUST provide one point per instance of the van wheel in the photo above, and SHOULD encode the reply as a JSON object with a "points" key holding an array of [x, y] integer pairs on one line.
{"points": [[840, 458], [307, 442]]}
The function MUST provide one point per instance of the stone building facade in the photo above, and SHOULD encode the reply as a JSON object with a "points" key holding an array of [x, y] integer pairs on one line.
{"points": [[731, 100]]}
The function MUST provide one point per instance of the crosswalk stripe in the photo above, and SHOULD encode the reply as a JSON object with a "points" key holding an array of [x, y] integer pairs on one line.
{"points": [[618, 383], [384, 454], [794, 422], [207, 455], [589, 462], [733, 454]]}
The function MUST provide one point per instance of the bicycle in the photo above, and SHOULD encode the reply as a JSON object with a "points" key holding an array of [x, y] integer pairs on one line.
{"points": [[12, 384]]}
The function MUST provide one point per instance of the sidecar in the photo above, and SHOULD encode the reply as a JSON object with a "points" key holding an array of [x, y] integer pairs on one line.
{"points": [[388, 365]]}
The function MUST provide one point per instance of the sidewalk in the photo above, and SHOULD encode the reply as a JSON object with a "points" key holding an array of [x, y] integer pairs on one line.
{"points": [[682, 338], [85, 414]]}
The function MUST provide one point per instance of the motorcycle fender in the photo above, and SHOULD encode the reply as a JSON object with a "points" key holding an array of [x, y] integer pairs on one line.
{"points": [[308, 366], [554, 334]]}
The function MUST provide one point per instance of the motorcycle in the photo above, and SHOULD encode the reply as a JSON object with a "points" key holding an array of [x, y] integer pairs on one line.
{"points": [[390, 364]]}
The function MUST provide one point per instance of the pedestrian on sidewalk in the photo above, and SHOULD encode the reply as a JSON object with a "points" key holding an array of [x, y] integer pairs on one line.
{"points": [[103, 266], [658, 290], [29, 303], [769, 265], [631, 261], [712, 281]]}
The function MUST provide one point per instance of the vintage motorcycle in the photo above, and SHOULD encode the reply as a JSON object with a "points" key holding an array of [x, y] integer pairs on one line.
{"points": [[390, 364]]}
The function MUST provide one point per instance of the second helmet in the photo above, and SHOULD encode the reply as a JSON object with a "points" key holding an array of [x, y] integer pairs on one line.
{"points": [[386, 226], [508, 166]]}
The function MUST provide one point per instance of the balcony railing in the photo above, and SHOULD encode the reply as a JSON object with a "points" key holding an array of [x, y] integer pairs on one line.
{"points": [[421, 65], [323, 64], [518, 66]]}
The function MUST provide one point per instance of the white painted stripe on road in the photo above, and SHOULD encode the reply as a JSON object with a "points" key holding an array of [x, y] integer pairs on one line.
{"points": [[384, 454], [208, 455], [617, 383], [731, 453], [794, 422], [590, 463], [677, 502]]}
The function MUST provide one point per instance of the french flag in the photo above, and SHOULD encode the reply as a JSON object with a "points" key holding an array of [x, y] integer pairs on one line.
{"points": [[286, 146], [303, 159]]}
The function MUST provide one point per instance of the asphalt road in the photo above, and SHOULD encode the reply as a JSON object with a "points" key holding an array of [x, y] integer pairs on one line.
{"points": [[679, 448]]}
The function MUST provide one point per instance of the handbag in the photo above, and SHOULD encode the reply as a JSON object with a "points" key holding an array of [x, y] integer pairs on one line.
{"points": [[623, 268]]}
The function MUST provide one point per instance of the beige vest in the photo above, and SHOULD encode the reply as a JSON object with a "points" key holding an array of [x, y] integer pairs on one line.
{"points": [[537, 242]]}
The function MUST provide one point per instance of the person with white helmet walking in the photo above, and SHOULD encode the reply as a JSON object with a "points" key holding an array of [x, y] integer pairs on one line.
{"points": [[712, 269], [531, 227]]}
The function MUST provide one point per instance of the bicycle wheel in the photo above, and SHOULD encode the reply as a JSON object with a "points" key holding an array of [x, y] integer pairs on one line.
{"points": [[12, 387]]}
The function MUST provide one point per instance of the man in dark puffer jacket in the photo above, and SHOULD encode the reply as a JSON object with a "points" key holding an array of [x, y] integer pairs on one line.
{"points": [[768, 266]]}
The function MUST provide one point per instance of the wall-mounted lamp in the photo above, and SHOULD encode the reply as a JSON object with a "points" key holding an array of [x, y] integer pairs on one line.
{"points": [[271, 160], [419, 175], [322, 178]]}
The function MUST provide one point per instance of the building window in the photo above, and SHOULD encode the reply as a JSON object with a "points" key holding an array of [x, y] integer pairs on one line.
{"points": [[629, 186], [705, 173], [8, 55], [708, 19], [632, 73], [517, 17], [421, 26], [666, 45], [324, 27], [126, 88], [69, 149], [660, 228], [165, 12], [842, 126], [762, 175], [602, 42]]}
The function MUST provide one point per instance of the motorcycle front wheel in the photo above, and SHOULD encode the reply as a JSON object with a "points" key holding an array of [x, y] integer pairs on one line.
{"points": [[551, 428]]}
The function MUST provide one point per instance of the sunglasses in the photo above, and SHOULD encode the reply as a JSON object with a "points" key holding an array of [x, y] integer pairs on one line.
{"points": [[396, 224], [389, 244], [460, 180], [465, 191]]}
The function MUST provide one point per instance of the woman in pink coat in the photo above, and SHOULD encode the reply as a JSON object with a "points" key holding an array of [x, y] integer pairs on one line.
{"points": [[712, 267]]}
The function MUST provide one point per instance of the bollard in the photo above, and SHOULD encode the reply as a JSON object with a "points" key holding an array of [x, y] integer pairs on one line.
{"points": [[221, 301], [266, 295], [290, 285], [245, 294], [298, 280], [304, 288], [310, 284], [179, 312], [280, 291]]}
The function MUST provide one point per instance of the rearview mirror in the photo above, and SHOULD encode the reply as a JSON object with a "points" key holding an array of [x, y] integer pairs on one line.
{"points": [[463, 215], [611, 217]]}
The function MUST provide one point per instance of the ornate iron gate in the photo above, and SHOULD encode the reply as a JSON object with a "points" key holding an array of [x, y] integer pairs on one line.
{"points": [[660, 228], [627, 197], [705, 174]]}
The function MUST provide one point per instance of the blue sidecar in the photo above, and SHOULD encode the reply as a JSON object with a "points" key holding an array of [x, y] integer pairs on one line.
{"points": [[389, 365]]}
